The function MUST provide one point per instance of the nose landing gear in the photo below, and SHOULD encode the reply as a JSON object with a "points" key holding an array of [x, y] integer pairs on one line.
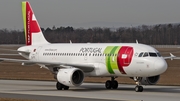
{"points": [[138, 87]]}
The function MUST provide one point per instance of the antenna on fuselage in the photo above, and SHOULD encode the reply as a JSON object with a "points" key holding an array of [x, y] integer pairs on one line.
{"points": [[137, 42], [70, 41]]}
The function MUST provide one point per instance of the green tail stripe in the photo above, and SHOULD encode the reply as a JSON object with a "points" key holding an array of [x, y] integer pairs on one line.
{"points": [[24, 16]]}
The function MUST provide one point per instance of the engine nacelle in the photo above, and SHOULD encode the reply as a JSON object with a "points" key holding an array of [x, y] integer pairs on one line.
{"points": [[150, 80], [70, 76]]}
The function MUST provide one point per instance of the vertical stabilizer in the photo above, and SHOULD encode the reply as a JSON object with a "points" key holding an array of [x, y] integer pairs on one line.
{"points": [[33, 33]]}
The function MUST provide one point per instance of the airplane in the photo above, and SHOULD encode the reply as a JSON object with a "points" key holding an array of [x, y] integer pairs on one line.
{"points": [[72, 62]]}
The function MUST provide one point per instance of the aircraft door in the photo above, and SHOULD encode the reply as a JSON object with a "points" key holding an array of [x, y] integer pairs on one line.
{"points": [[35, 54], [128, 55], [85, 56]]}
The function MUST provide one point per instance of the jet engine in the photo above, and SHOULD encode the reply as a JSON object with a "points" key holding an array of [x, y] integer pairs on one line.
{"points": [[70, 76], [150, 80]]}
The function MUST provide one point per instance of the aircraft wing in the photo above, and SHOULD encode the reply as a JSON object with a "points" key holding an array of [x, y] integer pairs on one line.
{"points": [[171, 57], [84, 67], [9, 55]]}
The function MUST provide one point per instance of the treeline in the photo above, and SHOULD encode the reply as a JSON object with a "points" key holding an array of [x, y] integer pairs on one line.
{"points": [[162, 34]]}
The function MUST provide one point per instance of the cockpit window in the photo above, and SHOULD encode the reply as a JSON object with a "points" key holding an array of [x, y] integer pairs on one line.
{"points": [[140, 55], [152, 54], [159, 54], [145, 54], [149, 54]]}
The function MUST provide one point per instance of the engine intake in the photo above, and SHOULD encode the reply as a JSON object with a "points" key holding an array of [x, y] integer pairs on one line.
{"points": [[150, 80], [70, 76]]}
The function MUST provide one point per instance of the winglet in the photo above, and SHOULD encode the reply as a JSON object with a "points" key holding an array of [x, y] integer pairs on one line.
{"points": [[172, 56]]}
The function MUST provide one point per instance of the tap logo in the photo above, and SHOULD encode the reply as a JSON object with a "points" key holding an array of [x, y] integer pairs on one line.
{"points": [[118, 57]]}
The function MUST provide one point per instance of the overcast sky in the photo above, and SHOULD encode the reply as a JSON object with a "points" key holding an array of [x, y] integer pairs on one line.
{"points": [[92, 13]]}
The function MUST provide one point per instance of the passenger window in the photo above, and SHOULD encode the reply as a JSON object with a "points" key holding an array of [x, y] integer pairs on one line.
{"points": [[145, 54], [140, 55]]}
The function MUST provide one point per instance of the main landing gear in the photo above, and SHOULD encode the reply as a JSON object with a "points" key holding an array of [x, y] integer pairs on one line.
{"points": [[60, 86], [138, 87], [111, 84]]}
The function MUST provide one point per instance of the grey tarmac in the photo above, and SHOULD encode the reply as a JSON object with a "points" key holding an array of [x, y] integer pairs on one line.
{"points": [[45, 90]]}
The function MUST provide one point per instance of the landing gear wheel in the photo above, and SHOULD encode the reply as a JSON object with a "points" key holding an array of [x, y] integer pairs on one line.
{"points": [[59, 86], [111, 84], [66, 87], [114, 84], [108, 84], [138, 88]]}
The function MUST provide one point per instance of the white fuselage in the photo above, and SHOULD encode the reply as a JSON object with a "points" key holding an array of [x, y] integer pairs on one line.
{"points": [[107, 58]]}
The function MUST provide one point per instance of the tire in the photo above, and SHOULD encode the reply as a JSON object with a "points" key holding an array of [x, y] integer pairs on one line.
{"points": [[108, 84], [66, 87], [59, 86], [114, 84], [139, 89]]}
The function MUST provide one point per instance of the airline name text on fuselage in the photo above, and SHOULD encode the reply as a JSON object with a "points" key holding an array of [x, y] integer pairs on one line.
{"points": [[90, 50]]}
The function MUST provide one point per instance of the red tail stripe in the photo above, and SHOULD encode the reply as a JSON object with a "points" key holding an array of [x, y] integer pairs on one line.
{"points": [[32, 26], [28, 24]]}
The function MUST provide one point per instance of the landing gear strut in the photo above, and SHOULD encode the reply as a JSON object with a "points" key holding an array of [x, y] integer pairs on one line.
{"points": [[111, 84], [138, 87], [60, 86]]}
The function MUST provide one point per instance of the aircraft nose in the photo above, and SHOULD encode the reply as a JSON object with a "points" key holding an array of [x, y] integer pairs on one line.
{"points": [[160, 66]]}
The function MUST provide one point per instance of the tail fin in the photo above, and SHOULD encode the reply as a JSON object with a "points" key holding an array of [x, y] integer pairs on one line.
{"points": [[33, 33]]}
